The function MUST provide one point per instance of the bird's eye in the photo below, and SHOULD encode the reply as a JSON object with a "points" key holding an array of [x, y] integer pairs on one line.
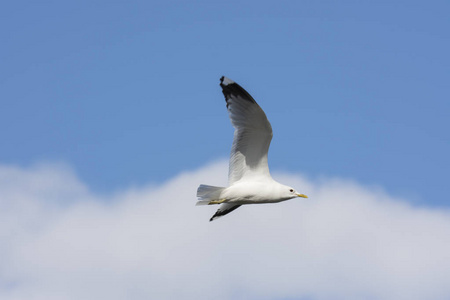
{"points": [[291, 190]]}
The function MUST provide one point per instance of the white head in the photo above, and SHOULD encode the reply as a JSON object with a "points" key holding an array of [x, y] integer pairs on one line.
{"points": [[289, 193]]}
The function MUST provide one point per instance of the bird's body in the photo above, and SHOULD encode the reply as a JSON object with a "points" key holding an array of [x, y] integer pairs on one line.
{"points": [[249, 177], [246, 192]]}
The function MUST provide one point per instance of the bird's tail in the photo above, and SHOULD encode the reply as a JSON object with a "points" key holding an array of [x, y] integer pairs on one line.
{"points": [[208, 193]]}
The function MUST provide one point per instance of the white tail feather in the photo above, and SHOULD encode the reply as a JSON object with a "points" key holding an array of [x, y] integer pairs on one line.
{"points": [[207, 193]]}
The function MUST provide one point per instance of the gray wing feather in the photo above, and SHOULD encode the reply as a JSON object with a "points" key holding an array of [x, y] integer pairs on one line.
{"points": [[252, 134]]}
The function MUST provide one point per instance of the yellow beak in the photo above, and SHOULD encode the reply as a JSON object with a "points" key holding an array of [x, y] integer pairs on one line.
{"points": [[301, 195]]}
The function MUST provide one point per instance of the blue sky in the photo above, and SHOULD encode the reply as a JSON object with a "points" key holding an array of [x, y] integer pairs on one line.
{"points": [[127, 92]]}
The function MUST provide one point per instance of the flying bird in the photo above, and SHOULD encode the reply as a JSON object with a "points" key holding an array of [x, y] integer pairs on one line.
{"points": [[249, 180]]}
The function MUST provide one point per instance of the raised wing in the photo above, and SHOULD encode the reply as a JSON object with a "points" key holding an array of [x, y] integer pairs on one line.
{"points": [[252, 134]]}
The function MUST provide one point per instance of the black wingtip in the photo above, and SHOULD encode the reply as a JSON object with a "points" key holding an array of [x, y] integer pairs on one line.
{"points": [[225, 81], [220, 213], [231, 88], [215, 216]]}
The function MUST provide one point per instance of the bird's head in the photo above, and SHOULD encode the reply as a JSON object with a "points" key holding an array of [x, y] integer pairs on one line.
{"points": [[290, 193]]}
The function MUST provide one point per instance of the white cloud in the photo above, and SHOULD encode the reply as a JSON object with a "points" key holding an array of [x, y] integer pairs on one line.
{"points": [[60, 241]]}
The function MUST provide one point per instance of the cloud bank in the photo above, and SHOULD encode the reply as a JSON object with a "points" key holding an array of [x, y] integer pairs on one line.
{"points": [[59, 240]]}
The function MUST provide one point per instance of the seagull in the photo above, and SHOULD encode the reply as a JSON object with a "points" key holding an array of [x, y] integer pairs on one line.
{"points": [[249, 180]]}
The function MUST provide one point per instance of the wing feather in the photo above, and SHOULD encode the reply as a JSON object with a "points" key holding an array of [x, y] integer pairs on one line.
{"points": [[252, 134], [224, 209]]}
